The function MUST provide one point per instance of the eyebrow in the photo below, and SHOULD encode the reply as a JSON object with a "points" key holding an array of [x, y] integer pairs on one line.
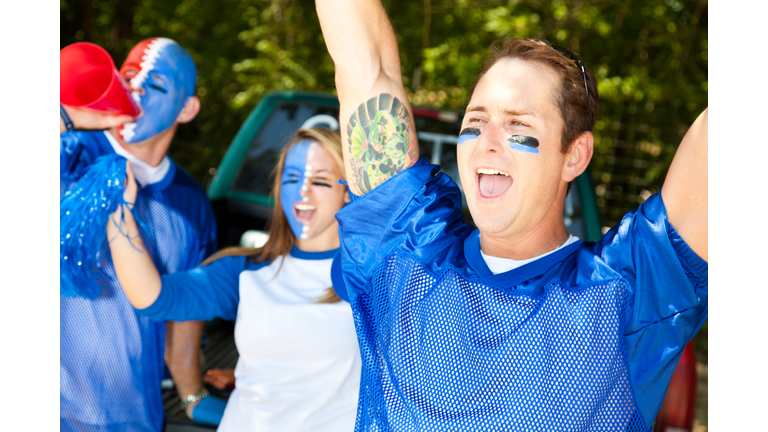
{"points": [[517, 112], [508, 112], [476, 108]]}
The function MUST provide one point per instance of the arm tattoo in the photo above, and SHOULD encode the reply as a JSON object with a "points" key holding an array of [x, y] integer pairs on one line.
{"points": [[382, 141]]}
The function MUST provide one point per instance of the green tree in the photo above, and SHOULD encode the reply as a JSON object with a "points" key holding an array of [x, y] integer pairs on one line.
{"points": [[650, 59]]}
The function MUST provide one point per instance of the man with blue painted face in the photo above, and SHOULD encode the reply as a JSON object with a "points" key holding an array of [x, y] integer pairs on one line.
{"points": [[515, 325], [112, 360]]}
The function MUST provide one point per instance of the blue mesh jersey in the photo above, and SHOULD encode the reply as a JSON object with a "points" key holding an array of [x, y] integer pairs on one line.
{"points": [[111, 359], [583, 339]]}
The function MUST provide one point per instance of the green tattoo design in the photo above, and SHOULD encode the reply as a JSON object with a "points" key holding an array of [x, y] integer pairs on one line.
{"points": [[382, 141]]}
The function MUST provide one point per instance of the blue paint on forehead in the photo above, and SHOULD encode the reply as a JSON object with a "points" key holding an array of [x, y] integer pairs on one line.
{"points": [[291, 182], [167, 78]]}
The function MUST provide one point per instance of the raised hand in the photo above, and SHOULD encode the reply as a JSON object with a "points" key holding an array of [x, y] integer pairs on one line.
{"points": [[135, 269]]}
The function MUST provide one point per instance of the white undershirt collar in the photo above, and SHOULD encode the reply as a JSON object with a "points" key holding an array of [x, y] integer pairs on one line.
{"points": [[501, 265], [145, 174]]}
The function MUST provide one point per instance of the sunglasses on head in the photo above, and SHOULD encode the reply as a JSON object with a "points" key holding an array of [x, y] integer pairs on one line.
{"points": [[571, 56]]}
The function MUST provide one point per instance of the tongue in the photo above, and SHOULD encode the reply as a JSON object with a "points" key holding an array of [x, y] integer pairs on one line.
{"points": [[492, 186], [305, 213]]}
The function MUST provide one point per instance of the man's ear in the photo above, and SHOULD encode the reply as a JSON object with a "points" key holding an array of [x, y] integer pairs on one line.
{"points": [[578, 156], [346, 196], [191, 108]]}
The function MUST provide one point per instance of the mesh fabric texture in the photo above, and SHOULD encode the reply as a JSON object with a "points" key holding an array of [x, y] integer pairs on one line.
{"points": [[450, 354], [583, 339]]}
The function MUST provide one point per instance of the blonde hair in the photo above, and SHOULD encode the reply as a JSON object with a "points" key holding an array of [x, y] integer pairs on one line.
{"points": [[281, 238]]}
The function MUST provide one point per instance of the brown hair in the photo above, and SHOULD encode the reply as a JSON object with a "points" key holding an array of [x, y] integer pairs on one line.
{"points": [[281, 239], [577, 112]]}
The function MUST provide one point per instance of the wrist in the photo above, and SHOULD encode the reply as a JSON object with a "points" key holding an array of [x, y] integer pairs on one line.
{"points": [[188, 403], [65, 123]]}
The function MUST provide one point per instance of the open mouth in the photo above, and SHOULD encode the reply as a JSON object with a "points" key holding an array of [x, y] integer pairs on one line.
{"points": [[492, 183], [304, 211]]}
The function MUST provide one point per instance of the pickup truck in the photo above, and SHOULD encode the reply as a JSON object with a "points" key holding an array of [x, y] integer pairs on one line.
{"points": [[239, 191]]}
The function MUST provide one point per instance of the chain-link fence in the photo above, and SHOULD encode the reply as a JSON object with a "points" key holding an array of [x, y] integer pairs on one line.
{"points": [[633, 150]]}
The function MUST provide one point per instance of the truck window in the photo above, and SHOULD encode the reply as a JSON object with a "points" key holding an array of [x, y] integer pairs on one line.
{"points": [[256, 168]]}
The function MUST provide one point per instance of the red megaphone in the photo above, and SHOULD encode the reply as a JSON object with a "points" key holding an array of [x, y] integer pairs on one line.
{"points": [[90, 79]]}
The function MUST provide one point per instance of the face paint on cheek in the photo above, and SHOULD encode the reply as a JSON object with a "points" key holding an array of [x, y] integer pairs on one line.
{"points": [[160, 88], [468, 134], [524, 143], [293, 181]]}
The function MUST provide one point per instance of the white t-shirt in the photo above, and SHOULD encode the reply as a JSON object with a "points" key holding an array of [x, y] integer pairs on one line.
{"points": [[500, 265], [299, 365]]}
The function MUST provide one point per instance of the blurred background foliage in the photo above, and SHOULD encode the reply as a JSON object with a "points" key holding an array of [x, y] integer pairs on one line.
{"points": [[650, 58]]}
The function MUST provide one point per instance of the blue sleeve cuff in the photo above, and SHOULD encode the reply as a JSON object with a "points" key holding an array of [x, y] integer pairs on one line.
{"points": [[209, 411], [339, 286], [693, 264]]}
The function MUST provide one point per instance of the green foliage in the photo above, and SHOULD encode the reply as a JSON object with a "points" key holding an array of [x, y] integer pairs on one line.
{"points": [[650, 59], [242, 49]]}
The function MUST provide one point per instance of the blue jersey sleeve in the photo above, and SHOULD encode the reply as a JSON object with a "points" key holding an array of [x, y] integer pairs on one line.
{"points": [[202, 293], [417, 210], [665, 276], [668, 298]]}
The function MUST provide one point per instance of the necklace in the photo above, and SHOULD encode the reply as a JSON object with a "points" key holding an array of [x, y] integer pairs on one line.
{"points": [[566, 239]]}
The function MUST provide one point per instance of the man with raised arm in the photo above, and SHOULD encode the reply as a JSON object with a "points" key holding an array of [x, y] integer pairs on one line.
{"points": [[515, 325], [112, 360]]}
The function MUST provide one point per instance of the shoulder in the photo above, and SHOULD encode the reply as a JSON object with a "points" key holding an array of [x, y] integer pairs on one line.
{"points": [[93, 140], [83, 136], [186, 195], [418, 211], [420, 195], [182, 179], [588, 265], [78, 150]]}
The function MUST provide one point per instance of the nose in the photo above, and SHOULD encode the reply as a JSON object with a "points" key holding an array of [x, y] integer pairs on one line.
{"points": [[491, 140]]}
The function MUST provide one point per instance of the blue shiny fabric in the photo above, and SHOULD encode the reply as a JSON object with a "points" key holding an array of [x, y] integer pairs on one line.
{"points": [[583, 339], [291, 183], [111, 359], [84, 213]]}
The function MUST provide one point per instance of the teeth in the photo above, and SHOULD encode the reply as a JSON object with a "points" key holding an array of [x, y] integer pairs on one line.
{"points": [[491, 172], [303, 206]]}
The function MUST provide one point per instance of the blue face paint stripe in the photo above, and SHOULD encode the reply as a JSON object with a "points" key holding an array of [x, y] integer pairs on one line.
{"points": [[468, 134], [523, 148], [524, 143]]}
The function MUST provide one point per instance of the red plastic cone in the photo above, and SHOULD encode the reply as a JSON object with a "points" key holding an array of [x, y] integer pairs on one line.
{"points": [[90, 79]]}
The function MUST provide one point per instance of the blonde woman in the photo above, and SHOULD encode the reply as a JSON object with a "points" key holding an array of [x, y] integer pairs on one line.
{"points": [[299, 365]]}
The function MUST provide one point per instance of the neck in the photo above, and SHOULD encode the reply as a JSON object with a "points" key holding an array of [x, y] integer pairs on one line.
{"points": [[529, 245], [546, 236], [325, 241], [152, 150]]}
